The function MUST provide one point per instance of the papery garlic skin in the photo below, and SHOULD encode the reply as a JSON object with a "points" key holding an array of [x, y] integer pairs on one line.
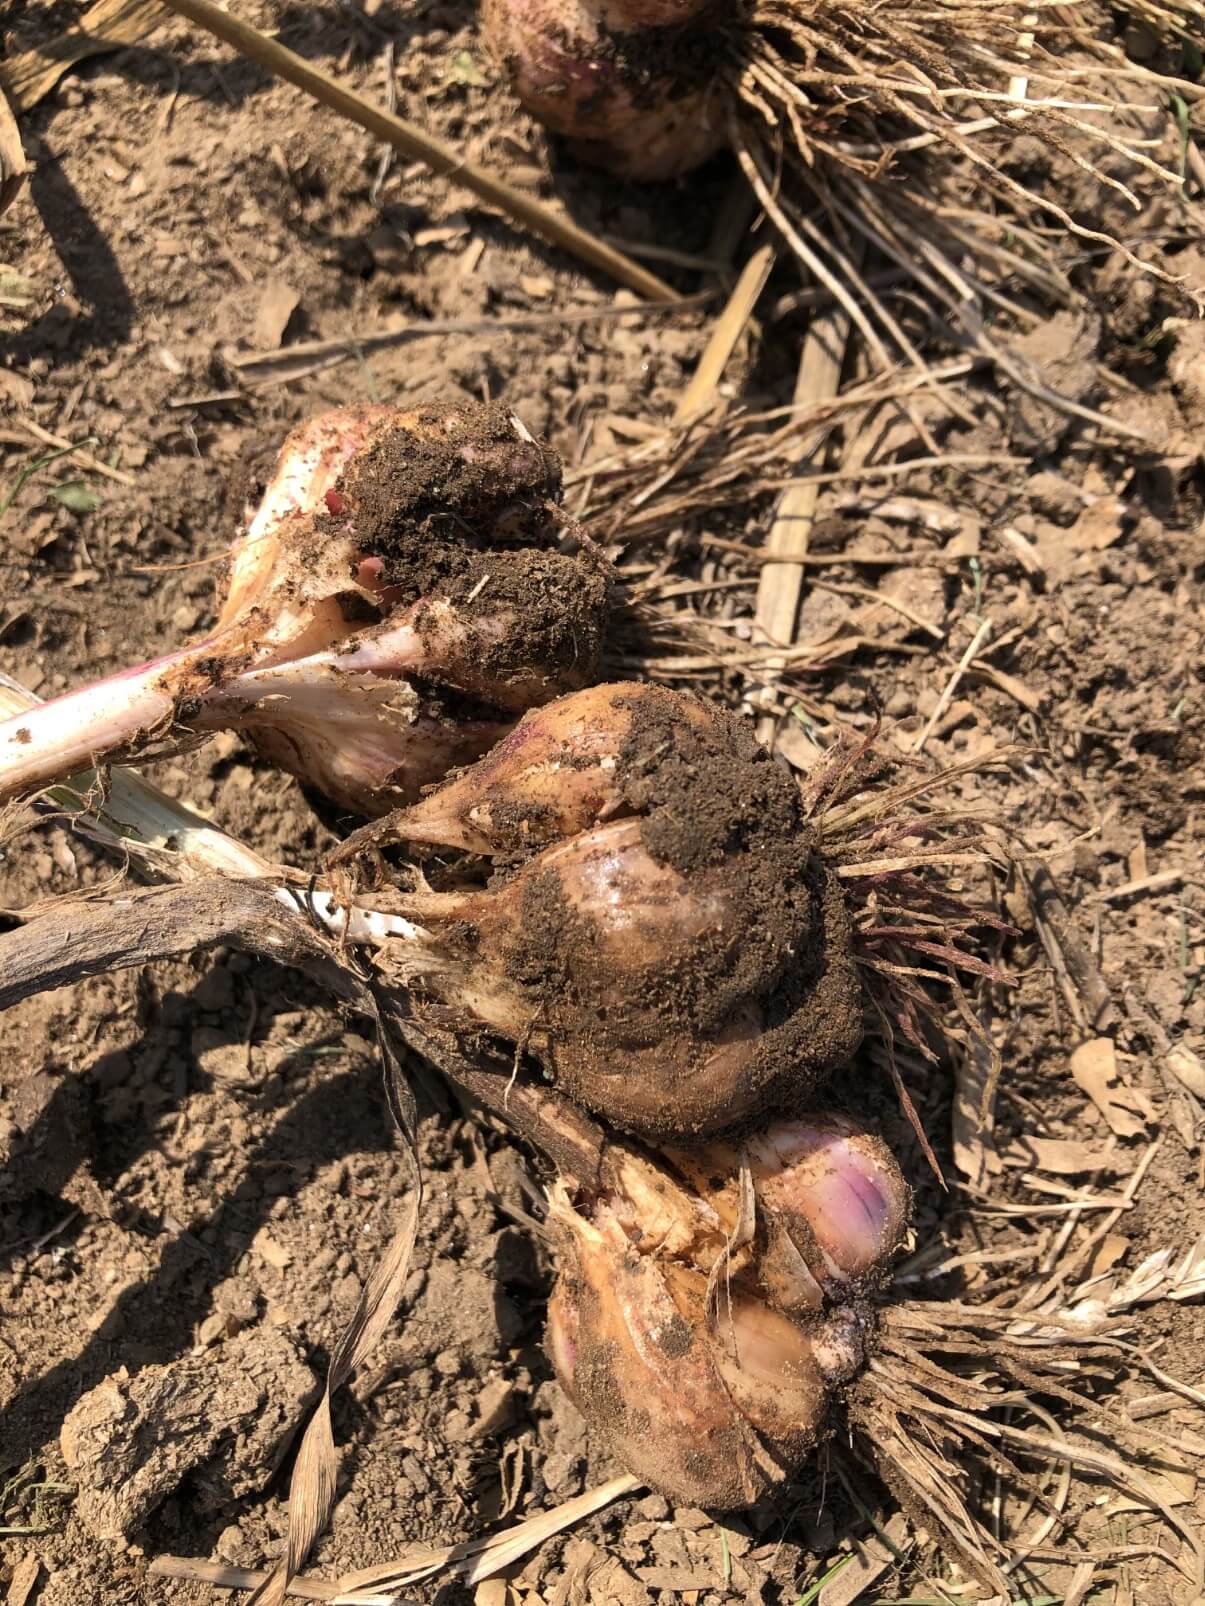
{"points": [[636, 89], [360, 740], [670, 1344], [418, 547], [558, 772], [645, 1375]]}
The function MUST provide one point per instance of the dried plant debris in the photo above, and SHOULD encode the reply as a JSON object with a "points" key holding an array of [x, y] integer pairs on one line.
{"points": [[942, 1422], [899, 134]]}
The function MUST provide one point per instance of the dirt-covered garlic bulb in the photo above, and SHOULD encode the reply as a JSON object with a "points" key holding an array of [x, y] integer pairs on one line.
{"points": [[635, 87], [708, 1376], [405, 590], [655, 924]]}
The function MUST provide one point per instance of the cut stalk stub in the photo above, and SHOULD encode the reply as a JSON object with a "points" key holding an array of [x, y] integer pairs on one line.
{"points": [[406, 588]]}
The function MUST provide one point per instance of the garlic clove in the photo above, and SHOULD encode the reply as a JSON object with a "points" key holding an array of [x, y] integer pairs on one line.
{"points": [[563, 769], [841, 1182], [832, 1203]]}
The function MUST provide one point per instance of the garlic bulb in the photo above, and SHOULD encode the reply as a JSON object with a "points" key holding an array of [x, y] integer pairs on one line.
{"points": [[561, 770], [406, 588], [675, 1347], [635, 88], [676, 955]]}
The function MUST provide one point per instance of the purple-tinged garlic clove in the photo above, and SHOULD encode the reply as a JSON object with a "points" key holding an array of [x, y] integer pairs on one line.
{"points": [[832, 1205]]}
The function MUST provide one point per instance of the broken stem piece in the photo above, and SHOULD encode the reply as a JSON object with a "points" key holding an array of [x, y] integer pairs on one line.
{"points": [[780, 585], [700, 392]]}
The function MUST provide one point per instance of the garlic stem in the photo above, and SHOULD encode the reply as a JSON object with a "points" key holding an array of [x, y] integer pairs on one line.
{"points": [[125, 812], [52, 739]]}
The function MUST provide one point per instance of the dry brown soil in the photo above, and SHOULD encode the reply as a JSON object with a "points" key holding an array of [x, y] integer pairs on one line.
{"points": [[201, 1152]]}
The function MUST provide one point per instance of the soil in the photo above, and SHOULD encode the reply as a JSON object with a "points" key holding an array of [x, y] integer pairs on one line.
{"points": [[461, 472], [201, 1152]]}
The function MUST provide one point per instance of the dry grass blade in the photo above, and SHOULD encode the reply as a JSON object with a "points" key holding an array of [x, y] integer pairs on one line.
{"points": [[197, 1570], [312, 1487], [304, 357], [780, 585], [477, 1559], [951, 686], [12, 157], [472, 1560], [700, 393], [84, 459], [1080, 980]]}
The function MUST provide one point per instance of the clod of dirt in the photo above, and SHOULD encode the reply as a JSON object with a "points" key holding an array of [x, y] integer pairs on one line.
{"points": [[225, 1418], [1063, 349], [459, 475]]}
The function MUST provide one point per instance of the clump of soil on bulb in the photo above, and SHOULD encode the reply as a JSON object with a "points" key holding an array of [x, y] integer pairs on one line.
{"points": [[715, 808], [461, 477], [463, 507]]}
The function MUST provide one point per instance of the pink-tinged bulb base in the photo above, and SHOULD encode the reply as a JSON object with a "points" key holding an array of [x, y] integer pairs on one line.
{"points": [[832, 1204], [609, 77], [307, 469]]}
